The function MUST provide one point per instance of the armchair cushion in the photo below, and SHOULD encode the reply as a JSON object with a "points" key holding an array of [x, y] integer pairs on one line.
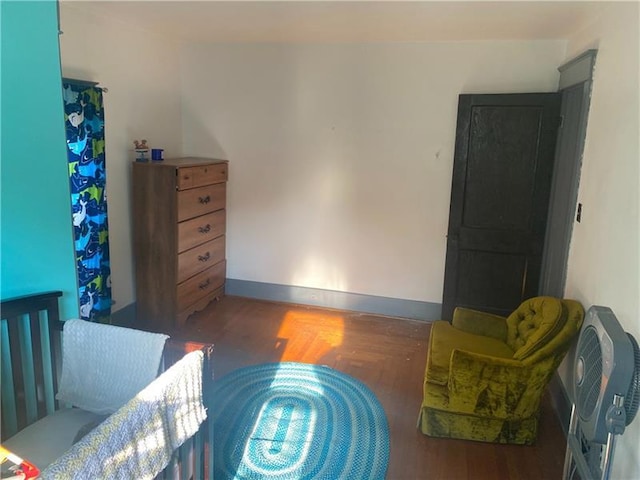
{"points": [[445, 338], [480, 323], [533, 324]]}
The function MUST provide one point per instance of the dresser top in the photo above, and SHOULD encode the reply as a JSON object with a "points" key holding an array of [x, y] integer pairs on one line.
{"points": [[183, 162]]}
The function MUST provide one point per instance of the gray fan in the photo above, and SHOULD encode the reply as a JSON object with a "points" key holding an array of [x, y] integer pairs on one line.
{"points": [[606, 388]]}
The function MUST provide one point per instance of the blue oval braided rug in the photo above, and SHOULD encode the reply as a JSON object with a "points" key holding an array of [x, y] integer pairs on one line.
{"points": [[297, 421]]}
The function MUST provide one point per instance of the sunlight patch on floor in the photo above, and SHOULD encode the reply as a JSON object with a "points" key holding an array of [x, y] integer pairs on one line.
{"points": [[312, 334]]}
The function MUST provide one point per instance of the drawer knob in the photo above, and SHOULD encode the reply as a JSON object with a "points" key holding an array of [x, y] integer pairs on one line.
{"points": [[205, 257], [204, 285], [204, 200], [205, 229]]}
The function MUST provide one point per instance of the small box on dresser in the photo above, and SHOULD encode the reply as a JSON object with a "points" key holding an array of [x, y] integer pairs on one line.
{"points": [[179, 218]]}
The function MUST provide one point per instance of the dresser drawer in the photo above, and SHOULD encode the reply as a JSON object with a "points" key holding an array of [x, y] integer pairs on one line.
{"points": [[191, 177], [200, 285], [200, 230], [200, 258], [198, 201]]}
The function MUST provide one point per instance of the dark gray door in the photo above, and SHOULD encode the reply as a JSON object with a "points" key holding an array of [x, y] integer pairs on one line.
{"points": [[503, 164]]}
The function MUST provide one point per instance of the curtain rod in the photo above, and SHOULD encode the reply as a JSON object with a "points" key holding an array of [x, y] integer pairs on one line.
{"points": [[88, 83]]}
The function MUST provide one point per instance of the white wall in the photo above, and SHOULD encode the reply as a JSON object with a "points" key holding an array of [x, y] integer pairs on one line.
{"points": [[341, 155], [141, 72], [604, 261]]}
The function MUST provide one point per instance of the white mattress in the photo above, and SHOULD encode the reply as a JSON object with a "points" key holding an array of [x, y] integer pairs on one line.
{"points": [[47, 439]]}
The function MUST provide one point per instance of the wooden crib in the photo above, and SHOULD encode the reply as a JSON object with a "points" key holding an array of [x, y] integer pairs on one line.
{"points": [[31, 353]]}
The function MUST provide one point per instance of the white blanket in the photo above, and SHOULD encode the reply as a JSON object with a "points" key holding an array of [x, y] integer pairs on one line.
{"points": [[138, 440], [104, 366]]}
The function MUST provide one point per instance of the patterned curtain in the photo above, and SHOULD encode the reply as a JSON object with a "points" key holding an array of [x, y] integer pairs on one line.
{"points": [[84, 121]]}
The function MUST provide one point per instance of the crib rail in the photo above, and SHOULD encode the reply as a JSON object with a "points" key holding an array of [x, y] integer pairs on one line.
{"points": [[194, 459], [30, 355], [29, 340]]}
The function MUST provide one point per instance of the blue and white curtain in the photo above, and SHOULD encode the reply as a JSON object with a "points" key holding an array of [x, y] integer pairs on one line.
{"points": [[84, 122]]}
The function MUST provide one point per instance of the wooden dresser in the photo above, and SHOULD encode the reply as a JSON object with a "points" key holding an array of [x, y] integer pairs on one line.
{"points": [[179, 221]]}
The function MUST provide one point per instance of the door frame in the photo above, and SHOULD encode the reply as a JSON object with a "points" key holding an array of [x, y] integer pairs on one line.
{"points": [[575, 74]]}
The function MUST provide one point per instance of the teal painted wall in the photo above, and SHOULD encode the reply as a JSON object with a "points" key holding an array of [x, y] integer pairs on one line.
{"points": [[36, 247]]}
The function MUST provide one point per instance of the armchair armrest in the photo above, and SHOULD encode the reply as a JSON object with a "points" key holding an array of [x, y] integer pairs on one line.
{"points": [[493, 386], [480, 323]]}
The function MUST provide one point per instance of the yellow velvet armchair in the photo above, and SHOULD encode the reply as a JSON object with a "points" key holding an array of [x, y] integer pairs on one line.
{"points": [[486, 374]]}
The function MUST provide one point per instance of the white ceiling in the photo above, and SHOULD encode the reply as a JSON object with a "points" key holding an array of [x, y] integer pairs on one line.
{"points": [[349, 21]]}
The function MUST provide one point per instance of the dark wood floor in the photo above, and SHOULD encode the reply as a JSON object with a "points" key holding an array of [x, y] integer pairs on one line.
{"points": [[388, 355]]}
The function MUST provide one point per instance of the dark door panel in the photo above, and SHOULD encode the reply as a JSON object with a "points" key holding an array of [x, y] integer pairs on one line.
{"points": [[490, 281], [499, 199]]}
